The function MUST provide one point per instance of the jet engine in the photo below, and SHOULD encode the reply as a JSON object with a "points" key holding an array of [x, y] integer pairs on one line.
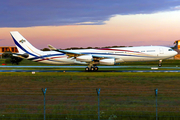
{"points": [[107, 62], [85, 58]]}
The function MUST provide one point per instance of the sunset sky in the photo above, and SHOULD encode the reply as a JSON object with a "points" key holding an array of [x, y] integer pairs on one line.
{"points": [[94, 23]]}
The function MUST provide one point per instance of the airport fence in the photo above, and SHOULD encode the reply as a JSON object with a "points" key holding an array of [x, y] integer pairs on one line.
{"points": [[90, 104]]}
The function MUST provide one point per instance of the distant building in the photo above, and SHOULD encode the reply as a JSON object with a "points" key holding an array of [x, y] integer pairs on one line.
{"points": [[177, 48], [12, 49], [177, 44]]}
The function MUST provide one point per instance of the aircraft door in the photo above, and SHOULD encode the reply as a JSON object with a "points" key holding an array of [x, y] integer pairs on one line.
{"points": [[161, 51]]}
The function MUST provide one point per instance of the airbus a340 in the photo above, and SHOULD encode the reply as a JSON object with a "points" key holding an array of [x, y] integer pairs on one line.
{"points": [[92, 57]]}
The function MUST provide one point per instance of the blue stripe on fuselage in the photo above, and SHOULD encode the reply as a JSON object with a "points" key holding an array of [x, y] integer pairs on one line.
{"points": [[118, 54], [22, 47], [42, 57]]}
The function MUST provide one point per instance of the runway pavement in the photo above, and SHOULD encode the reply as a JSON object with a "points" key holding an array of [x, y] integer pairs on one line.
{"points": [[132, 71], [86, 66], [151, 69], [65, 66]]}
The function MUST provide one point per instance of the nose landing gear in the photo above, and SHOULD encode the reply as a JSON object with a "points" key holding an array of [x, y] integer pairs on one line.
{"points": [[160, 63]]}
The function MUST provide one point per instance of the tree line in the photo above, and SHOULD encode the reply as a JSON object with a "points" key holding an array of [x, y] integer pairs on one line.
{"points": [[10, 59]]}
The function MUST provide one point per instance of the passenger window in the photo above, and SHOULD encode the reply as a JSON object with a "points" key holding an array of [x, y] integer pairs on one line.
{"points": [[150, 50]]}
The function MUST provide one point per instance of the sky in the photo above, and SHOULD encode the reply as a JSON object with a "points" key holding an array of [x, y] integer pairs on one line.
{"points": [[91, 23]]}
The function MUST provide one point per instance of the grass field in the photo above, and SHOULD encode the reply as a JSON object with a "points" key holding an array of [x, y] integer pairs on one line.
{"points": [[72, 96], [92, 79], [127, 96]]}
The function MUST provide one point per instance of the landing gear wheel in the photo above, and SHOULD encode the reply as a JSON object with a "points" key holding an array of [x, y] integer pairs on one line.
{"points": [[96, 68], [159, 65], [86, 69], [92, 68]]}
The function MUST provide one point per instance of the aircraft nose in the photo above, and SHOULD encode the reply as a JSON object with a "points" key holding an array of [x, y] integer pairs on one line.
{"points": [[175, 53]]}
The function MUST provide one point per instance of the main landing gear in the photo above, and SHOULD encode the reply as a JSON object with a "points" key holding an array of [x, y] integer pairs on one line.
{"points": [[160, 63], [93, 68]]}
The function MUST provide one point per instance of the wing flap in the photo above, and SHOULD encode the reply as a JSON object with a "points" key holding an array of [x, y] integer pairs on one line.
{"points": [[71, 54], [68, 53]]}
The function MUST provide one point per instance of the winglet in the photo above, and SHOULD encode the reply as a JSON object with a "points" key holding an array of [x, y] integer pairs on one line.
{"points": [[51, 47], [55, 49], [62, 51]]}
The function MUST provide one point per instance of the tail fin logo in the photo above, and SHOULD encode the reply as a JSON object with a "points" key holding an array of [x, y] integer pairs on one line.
{"points": [[22, 41]]}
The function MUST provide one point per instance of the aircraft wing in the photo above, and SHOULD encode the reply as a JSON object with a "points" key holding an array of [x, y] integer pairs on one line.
{"points": [[76, 54], [68, 53]]}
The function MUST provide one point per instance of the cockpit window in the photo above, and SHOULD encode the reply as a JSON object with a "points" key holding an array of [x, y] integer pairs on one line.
{"points": [[170, 49]]}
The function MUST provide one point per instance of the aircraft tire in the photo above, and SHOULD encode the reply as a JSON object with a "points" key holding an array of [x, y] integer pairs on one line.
{"points": [[87, 69], [160, 65], [95, 68], [92, 69]]}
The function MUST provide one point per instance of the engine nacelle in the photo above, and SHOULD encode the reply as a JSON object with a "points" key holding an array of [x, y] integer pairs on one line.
{"points": [[85, 58], [107, 62]]}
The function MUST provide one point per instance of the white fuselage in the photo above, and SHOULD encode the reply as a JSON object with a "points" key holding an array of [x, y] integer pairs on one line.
{"points": [[124, 54], [106, 56]]}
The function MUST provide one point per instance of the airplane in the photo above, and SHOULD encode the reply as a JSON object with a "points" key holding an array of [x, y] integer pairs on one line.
{"points": [[91, 57]]}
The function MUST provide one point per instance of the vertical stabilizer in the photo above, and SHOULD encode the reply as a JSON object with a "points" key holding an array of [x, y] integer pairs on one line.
{"points": [[23, 45]]}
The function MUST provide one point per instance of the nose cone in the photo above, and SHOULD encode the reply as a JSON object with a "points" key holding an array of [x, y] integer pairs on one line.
{"points": [[175, 53]]}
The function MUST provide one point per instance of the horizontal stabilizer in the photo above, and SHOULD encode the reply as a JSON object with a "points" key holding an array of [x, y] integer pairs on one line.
{"points": [[25, 55]]}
